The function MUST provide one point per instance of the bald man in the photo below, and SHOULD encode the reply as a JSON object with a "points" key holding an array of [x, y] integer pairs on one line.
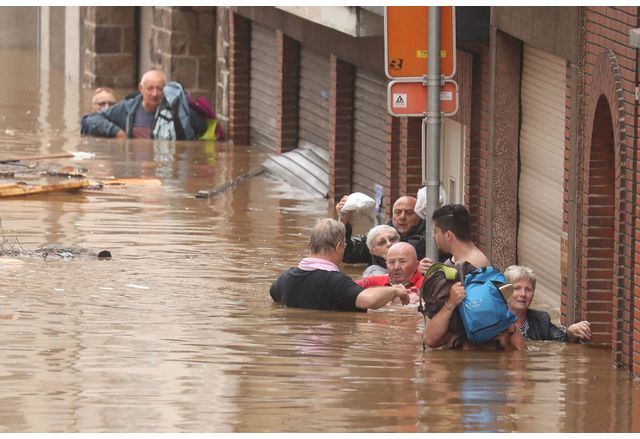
{"points": [[145, 115], [402, 264], [404, 219]]}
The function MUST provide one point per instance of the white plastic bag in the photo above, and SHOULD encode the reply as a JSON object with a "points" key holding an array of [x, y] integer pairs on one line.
{"points": [[421, 204], [358, 201]]}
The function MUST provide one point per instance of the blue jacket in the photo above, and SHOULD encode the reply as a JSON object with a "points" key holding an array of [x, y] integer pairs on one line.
{"points": [[107, 123]]}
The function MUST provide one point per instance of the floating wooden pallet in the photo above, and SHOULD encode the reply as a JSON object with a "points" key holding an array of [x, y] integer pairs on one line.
{"points": [[15, 189]]}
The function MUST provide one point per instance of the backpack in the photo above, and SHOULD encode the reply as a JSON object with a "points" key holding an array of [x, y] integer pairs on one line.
{"points": [[435, 292], [484, 311], [176, 96]]}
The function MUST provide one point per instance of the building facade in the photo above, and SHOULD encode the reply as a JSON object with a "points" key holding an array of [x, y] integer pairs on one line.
{"points": [[543, 150]]}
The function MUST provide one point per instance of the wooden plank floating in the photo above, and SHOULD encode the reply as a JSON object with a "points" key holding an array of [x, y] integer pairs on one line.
{"points": [[61, 155], [12, 190], [150, 181], [229, 184]]}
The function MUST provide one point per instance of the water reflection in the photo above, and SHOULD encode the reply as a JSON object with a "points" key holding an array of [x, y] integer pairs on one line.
{"points": [[178, 332]]}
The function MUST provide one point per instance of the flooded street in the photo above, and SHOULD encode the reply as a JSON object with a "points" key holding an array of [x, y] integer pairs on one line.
{"points": [[178, 333]]}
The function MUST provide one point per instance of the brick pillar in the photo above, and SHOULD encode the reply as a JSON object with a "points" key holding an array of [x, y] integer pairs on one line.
{"points": [[341, 102], [240, 76], [392, 187], [288, 52], [222, 68], [109, 47], [183, 41], [410, 156], [478, 153]]}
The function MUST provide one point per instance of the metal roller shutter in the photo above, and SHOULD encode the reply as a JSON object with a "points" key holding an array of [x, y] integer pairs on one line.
{"points": [[370, 118], [263, 86], [542, 170], [314, 99]]}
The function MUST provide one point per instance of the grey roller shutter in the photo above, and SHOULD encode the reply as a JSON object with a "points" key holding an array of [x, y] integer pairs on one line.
{"points": [[314, 99], [542, 170], [262, 119], [370, 135]]}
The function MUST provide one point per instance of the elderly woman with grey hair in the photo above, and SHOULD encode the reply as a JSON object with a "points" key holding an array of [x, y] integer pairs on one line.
{"points": [[379, 239], [533, 324]]}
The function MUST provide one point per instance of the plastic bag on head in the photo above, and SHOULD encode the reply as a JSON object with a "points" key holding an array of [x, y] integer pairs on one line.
{"points": [[421, 203]]}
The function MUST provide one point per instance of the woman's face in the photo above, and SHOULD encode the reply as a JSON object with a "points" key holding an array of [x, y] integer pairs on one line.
{"points": [[382, 242], [522, 295]]}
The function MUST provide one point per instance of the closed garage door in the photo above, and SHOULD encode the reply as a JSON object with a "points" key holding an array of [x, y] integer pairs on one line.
{"points": [[314, 99], [542, 170], [262, 120], [370, 135]]}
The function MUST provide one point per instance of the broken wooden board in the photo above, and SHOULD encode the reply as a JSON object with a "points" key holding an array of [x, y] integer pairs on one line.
{"points": [[208, 193], [12, 190], [147, 181], [61, 155]]}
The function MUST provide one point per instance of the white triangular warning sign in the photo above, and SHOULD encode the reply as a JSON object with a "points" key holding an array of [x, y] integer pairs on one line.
{"points": [[400, 100]]}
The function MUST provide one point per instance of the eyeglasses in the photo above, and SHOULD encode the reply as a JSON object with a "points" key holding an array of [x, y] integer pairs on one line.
{"points": [[382, 241], [103, 103]]}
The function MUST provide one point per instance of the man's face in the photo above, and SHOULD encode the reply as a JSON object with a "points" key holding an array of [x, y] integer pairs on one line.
{"points": [[440, 238], [404, 217], [401, 264], [152, 91], [522, 295], [102, 101]]}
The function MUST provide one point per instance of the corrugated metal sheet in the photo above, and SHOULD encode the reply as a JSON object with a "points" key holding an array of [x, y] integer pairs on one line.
{"points": [[305, 168], [314, 99], [370, 135], [263, 85], [542, 170]]}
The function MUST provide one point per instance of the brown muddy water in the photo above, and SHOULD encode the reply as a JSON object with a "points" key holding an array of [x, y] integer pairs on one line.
{"points": [[177, 333]]}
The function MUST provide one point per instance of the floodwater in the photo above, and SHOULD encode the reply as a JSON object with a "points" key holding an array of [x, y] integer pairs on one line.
{"points": [[177, 333]]}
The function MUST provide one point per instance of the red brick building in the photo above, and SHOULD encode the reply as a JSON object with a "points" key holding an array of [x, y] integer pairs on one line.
{"points": [[543, 150]]}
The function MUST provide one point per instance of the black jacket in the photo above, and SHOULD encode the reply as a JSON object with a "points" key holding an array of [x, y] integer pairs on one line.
{"points": [[358, 252], [541, 328]]}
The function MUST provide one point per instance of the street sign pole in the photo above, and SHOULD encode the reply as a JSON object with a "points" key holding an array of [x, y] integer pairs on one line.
{"points": [[431, 128]]}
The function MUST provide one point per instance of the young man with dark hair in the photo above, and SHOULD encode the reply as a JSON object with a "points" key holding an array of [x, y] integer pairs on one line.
{"points": [[452, 233]]}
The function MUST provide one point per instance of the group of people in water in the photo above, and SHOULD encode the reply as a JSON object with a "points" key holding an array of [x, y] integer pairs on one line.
{"points": [[395, 252], [159, 110]]}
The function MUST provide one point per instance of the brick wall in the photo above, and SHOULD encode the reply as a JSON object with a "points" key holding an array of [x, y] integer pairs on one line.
{"points": [[110, 47], [288, 79], [183, 46], [610, 76], [410, 156], [342, 84], [477, 151], [392, 165], [239, 78]]}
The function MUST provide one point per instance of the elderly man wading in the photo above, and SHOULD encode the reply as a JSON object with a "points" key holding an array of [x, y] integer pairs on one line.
{"points": [[317, 283], [146, 115]]}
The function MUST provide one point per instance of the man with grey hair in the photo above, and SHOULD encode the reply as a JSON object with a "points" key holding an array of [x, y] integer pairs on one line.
{"points": [[144, 115], [317, 282]]}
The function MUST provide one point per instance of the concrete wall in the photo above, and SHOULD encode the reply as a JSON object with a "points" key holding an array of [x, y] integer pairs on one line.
{"points": [[553, 29], [22, 36]]}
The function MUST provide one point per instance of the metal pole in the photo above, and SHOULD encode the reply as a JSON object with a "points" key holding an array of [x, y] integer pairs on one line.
{"points": [[431, 128]]}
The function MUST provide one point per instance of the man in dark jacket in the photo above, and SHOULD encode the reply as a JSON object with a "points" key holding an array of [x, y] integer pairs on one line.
{"points": [[146, 115], [404, 219]]}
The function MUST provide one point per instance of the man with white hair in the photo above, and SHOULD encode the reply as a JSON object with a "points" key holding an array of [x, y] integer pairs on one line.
{"points": [[317, 283], [145, 115]]}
